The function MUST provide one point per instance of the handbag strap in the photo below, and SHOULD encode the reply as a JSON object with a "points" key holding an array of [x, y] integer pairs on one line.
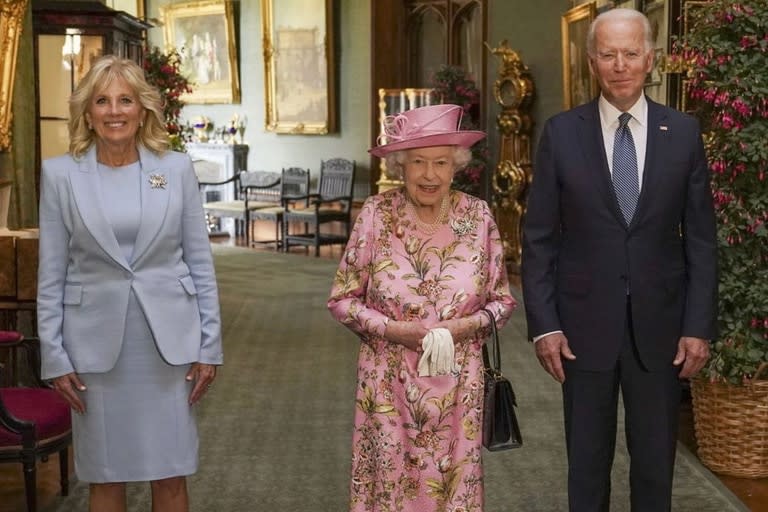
{"points": [[496, 348]]}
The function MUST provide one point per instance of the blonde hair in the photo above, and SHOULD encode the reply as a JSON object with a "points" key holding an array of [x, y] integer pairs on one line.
{"points": [[620, 15], [396, 159], [152, 133]]}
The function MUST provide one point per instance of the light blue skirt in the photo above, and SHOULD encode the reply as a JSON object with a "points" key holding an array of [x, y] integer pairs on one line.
{"points": [[138, 424]]}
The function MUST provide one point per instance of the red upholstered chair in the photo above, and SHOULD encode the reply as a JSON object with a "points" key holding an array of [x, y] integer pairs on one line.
{"points": [[34, 421]]}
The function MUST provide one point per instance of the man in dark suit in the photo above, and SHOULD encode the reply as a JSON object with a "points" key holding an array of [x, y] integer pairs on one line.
{"points": [[619, 268]]}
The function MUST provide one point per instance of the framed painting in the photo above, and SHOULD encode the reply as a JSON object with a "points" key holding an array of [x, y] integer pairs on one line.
{"points": [[652, 5], [11, 24], [203, 33], [654, 11], [626, 4], [579, 86], [135, 8], [299, 46]]}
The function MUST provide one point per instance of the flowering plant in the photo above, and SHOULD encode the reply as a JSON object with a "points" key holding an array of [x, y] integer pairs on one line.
{"points": [[163, 70], [453, 85], [726, 53]]}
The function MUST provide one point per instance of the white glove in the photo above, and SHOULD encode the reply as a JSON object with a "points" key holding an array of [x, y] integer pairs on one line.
{"points": [[427, 343], [438, 357]]}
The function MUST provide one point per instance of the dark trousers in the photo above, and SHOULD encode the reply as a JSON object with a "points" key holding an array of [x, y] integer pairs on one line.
{"points": [[651, 408]]}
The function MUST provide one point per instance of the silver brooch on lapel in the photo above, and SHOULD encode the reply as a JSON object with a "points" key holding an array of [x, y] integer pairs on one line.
{"points": [[157, 180], [463, 227]]}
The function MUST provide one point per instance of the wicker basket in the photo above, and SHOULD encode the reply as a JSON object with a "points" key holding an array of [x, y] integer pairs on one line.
{"points": [[731, 424]]}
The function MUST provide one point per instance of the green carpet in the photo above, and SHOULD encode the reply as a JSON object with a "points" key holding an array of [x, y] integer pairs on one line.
{"points": [[276, 427]]}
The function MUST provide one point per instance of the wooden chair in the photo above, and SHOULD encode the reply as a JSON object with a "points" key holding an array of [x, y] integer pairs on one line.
{"points": [[34, 421], [294, 183], [255, 189], [331, 203]]}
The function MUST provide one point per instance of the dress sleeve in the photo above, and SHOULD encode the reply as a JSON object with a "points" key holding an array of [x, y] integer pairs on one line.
{"points": [[499, 300], [348, 301]]}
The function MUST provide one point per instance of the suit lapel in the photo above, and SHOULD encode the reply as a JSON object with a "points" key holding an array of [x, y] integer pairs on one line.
{"points": [[85, 189], [155, 185], [593, 147], [656, 147]]}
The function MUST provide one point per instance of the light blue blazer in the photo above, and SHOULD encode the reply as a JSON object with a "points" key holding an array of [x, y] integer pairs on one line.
{"points": [[84, 280]]}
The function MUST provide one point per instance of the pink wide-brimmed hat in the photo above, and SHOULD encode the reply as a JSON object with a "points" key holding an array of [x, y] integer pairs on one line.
{"points": [[436, 125]]}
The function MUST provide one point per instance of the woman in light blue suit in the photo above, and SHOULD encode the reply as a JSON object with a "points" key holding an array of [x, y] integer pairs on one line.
{"points": [[128, 309]]}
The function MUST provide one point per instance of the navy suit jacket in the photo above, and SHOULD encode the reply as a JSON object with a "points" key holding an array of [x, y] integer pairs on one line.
{"points": [[84, 280], [579, 256]]}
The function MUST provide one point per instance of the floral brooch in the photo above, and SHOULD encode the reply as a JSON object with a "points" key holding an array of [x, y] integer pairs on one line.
{"points": [[157, 181], [463, 227]]}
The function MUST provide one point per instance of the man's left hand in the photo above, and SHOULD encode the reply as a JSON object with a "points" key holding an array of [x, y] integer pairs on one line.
{"points": [[692, 353]]}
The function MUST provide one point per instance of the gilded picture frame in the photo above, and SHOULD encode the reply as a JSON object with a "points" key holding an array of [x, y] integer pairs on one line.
{"points": [[11, 16], [299, 72], [204, 34], [579, 86]]}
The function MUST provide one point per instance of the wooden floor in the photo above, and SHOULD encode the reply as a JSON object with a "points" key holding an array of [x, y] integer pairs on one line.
{"points": [[752, 492]]}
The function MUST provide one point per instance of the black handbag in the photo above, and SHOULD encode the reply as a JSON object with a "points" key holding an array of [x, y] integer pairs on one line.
{"points": [[500, 428]]}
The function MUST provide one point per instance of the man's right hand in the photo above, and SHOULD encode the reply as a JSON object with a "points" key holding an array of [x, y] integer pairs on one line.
{"points": [[69, 386], [408, 334], [550, 350]]}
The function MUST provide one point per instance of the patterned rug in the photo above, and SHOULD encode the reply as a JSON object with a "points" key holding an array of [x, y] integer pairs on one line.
{"points": [[276, 427]]}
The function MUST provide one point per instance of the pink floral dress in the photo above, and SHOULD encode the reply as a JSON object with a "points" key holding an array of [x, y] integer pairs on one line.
{"points": [[417, 440]]}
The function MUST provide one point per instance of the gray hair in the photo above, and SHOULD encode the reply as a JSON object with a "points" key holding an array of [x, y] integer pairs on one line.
{"points": [[620, 15], [396, 160]]}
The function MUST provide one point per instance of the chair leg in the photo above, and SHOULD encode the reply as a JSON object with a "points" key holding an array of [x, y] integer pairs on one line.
{"points": [[277, 236], [317, 239], [284, 236], [64, 470], [30, 481]]}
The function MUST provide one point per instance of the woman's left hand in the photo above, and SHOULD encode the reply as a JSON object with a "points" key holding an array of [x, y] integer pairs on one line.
{"points": [[203, 375]]}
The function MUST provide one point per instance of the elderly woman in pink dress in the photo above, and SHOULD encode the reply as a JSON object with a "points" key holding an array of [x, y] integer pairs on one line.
{"points": [[422, 263]]}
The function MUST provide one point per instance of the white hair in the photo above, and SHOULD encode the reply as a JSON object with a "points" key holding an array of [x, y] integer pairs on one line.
{"points": [[629, 15]]}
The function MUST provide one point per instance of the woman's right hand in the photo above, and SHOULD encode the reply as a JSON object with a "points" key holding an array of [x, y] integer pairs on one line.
{"points": [[408, 334], [68, 386]]}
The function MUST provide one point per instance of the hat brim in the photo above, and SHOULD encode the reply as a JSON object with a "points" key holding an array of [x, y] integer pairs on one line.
{"points": [[463, 138]]}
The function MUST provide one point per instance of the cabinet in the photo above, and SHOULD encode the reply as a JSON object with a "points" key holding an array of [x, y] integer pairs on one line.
{"points": [[218, 162], [68, 37]]}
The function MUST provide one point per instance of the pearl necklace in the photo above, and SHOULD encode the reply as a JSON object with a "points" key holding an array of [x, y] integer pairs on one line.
{"points": [[427, 227]]}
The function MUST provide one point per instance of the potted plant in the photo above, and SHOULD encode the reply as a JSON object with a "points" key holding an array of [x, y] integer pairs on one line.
{"points": [[452, 85], [163, 70], [726, 56]]}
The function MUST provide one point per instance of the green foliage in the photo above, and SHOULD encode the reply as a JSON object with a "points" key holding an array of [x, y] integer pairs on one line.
{"points": [[453, 85], [163, 70], [726, 54]]}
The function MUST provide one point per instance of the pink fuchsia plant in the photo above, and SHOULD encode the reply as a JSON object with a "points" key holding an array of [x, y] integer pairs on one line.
{"points": [[163, 70], [452, 85], [726, 56]]}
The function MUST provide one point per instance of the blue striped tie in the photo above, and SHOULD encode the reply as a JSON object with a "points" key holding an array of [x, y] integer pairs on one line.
{"points": [[625, 178]]}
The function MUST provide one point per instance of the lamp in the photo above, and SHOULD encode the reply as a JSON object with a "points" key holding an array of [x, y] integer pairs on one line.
{"points": [[71, 48]]}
